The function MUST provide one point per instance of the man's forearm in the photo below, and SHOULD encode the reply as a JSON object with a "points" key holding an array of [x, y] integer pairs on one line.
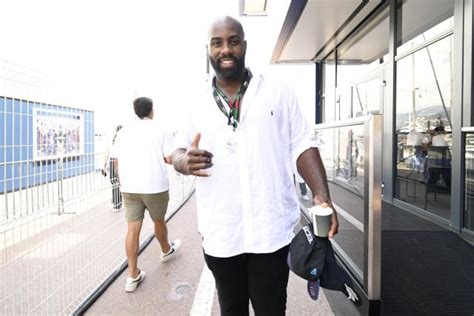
{"points": [[311, 168]]}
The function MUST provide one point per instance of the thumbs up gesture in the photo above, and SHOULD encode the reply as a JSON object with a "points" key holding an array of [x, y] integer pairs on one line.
{"points": [[194, 160]]}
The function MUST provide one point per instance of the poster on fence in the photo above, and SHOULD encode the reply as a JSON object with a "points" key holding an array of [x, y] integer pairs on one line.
{"points": [[57, 134]]}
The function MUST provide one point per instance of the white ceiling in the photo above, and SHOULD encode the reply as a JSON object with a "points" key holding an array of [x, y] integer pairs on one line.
{"points": [[369, 44], [315, 29], [318, 25], [324, 24]]}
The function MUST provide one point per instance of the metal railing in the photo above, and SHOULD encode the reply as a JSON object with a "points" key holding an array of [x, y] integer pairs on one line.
{"points": [[352, 153], [60, 234], [53, 259]]}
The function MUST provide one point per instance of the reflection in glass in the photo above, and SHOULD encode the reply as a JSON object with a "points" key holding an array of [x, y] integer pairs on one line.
{"points": [[350, 157], [360, 63], [423, 127], [329, 91], [423, 20], [469, 184], [325, 140], [366, 97], [342, 152], [359, 88]]}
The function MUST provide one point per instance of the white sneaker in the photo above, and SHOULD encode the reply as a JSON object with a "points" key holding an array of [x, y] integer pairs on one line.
{"points": [[174, 248], [117, 210], [132, 284]]}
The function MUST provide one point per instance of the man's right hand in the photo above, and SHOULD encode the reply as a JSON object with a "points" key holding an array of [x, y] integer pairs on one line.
{"points": [[193, 160]]}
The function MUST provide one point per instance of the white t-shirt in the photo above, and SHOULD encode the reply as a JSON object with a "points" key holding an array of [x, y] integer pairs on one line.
{"points": [[414, 138], [439, 140], [248, 204], [140, 149]]}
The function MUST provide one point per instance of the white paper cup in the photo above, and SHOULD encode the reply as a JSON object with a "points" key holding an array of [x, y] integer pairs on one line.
{"points": [[321, 220]]}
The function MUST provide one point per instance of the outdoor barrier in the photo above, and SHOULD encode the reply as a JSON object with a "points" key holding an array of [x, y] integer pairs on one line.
{"points": [[352, 155]]}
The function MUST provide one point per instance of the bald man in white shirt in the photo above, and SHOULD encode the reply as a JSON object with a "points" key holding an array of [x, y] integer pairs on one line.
{"points": [[244, 139]]}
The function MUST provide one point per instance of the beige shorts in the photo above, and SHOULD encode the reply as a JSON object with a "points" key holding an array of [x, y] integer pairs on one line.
{"points": [[136, 203]]}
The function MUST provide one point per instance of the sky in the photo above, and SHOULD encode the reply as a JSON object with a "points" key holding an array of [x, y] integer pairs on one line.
{"points": [[99, 55]]}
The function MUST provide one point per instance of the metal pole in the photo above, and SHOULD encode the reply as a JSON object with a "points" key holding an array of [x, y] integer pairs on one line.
{"points": [[60, 173], [374, 206]]}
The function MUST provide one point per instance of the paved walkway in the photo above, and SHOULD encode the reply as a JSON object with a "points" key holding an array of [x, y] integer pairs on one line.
{"points": [[180, 287]]}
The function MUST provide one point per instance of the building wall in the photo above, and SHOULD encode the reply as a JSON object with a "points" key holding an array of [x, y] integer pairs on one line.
{"points": [[411, 62]]}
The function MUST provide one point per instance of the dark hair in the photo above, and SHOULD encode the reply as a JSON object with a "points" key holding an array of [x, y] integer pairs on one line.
{"points": [[142, 106]]}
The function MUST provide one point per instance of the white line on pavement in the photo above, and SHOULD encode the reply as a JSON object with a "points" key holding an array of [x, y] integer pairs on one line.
{"points": [[203, 299]]}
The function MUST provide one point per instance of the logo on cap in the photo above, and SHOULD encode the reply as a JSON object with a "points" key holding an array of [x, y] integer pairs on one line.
{"points": [[308, 234]]}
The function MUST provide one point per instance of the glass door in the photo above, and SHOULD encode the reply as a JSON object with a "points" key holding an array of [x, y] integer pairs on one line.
{"points": [[423, 127]]}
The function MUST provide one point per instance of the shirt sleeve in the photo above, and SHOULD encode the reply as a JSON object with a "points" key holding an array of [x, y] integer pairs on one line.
{"points": [[167, 143], [185, 133], [301, 134]]}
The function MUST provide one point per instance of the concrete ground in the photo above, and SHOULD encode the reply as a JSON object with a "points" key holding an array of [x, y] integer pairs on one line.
{"points": [[184, 286]]}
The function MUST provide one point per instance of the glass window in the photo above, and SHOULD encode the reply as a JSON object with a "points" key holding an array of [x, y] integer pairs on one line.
{"points": [[367, 95], [423, 127], [328, 99], [469, 183], [342, 151], [423, 20], [359, 69], [349, 167]]}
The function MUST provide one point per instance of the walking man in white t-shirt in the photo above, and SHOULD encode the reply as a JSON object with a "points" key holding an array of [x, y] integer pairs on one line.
{"points": [[142, 149]]}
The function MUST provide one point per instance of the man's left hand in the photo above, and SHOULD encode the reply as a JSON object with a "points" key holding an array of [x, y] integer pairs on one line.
{"points": [[334, 221]]}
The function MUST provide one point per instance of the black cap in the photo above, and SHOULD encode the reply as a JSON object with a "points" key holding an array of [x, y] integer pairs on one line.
{"points": [[313, 259], [307, 253]]}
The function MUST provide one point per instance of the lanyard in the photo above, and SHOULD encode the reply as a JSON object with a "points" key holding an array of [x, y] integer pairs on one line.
{"points": [[234, 114]]}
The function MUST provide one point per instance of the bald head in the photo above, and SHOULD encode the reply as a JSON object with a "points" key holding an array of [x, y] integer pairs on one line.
{"points": [[226, 49], [226, 21]]}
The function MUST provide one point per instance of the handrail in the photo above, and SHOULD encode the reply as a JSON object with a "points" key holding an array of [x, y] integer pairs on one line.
{"points": [[348, 122]]}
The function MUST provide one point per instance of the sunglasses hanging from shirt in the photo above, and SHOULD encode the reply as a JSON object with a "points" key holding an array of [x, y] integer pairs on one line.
{"points": [[233, 115]]}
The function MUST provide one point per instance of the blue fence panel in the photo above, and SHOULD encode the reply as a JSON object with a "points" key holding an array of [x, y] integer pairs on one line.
{"points": [[19, 133], [2, 132], [17, 105], [9, 129], [9, 103], [25, 130], [17, 129]]}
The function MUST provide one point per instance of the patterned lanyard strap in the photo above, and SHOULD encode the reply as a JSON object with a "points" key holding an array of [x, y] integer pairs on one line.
{"points": [[234, 114]]}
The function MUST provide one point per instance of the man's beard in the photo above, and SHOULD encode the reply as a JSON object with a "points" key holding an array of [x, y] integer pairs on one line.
{"points": [[233, 73]]}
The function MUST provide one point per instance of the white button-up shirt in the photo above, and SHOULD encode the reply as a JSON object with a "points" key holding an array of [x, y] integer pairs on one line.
{"points": [[248, 204]]}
